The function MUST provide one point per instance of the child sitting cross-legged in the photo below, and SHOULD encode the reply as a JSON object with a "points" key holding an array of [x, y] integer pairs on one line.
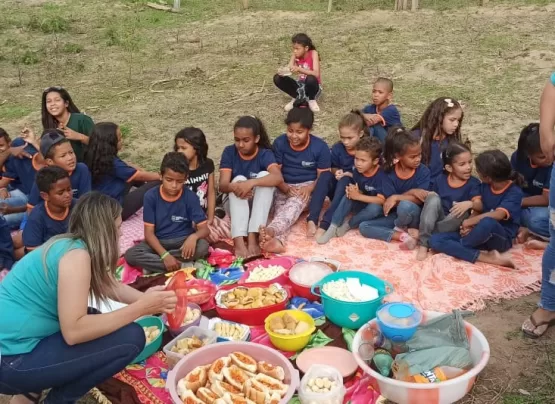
{"points": [[51, 216], [485, 236], [382, 114], [365, 197], [175, 224]]}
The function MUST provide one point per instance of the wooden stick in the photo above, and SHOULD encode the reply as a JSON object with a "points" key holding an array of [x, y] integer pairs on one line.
{"points": [[330, 4], [159, 7]]}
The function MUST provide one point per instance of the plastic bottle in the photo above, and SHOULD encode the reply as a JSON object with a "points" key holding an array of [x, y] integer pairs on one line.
{"points": [[436, 375]]}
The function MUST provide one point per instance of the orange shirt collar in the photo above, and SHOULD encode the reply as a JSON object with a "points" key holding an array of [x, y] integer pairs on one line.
{"points": [[53, 216], [401, 177], [248, 157], [501, 190], [372, 173], [302, 148], [167, 198], [449, 182]]}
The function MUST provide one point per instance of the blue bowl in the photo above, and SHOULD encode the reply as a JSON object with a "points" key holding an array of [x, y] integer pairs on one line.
{"points": [[398, 321]]}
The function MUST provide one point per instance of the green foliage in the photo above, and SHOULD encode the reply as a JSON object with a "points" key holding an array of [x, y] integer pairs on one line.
{"points": [[72, 48], [48, 24]]}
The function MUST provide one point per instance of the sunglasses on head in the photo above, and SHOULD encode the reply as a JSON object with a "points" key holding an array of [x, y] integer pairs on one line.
{"points": [[53, 88]]}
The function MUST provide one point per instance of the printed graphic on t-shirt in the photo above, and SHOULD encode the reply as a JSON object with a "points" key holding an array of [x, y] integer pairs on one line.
{"points": [[308, 164], [178, 219], [202, 190]]}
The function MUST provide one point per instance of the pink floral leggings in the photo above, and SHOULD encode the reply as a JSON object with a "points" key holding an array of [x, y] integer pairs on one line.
{"points": [[286, 212]]}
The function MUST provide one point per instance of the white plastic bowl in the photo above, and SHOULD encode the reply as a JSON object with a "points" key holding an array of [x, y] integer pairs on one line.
{"points": [[446, 392]]}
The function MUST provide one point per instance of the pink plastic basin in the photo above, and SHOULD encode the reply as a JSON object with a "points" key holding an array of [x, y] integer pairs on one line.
{"points": [[446, 392], [210, 353]]}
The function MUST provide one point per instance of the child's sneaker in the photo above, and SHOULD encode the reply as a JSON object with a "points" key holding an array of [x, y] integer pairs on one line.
{"points": [[313, 105], [290, 105]]}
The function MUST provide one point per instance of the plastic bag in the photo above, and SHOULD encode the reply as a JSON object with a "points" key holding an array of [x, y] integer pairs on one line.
{"points": [[178, 284], [334, 396]]}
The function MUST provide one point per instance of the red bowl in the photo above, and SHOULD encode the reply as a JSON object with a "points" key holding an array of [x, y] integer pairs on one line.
{"points": [[207, 291], [282, 279], [252, 317], [302, 291]]}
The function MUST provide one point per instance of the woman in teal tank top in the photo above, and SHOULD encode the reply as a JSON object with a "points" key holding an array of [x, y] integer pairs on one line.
{"points": [[49, 337]]}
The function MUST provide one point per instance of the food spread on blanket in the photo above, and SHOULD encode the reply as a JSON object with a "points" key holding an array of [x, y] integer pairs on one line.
{"points": [[234, 379], [288, 325], [151, 333], [264, 274], [251, 298], [320, 385], [187, 345], [229, 330], [308, 273], [350, 290]]}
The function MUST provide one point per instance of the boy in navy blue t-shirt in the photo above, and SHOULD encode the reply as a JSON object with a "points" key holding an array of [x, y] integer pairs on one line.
{"points": [[6, 246], [381, 114], [50, 217], [175, 224]]}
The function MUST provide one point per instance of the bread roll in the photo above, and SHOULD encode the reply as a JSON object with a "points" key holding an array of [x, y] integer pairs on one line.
{"points": [[244, 361]]}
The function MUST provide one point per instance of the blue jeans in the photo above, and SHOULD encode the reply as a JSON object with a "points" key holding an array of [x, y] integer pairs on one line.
{"points": [[71, 371], [406, 215], [17, 198], [362, 212], [547, 296], [328, 186], [536, 219], [488, 235], [379, 132]]}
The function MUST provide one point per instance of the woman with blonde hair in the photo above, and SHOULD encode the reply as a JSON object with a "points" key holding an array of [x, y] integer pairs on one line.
{"points": [[49, 337]]}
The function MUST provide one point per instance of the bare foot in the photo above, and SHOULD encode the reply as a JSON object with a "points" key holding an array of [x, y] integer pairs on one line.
{"points": [[496, 258], [20, 399], [522, 235], [414, 233], [311, 229], [319, 233], [536, 244], [253, 247], [273, 245], [241, 250], [262, 235], [407, 242], [422, 253]]}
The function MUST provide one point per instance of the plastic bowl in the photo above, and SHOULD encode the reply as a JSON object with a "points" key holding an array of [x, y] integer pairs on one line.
{"points": [[398, 321], [300, 289], [207, 291], [150, 349], [282, 279], [207, 336], [291, 343], [210, 353], [175, 332], [446, 392]]}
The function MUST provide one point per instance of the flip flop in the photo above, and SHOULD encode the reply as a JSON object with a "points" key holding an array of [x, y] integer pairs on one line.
{"points": [[532, 334]]}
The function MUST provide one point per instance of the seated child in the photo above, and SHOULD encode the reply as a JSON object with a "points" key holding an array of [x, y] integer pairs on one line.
{"points": [[171, 214], [113, 176], [454, 193], [485, 236], [333, 184], [305, 62], [7, 258], [249, 174], [50, 217], [381, 115], [12, 199], [529, 161], [365, 197], [57, 151], [406, 177], [440, 124], [303, 157]]}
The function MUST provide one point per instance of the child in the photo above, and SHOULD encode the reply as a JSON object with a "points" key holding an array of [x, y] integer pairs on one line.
{"points": [[12, 199], [249, 174], [50, 217], [365, 197], [113, 176], [171, 213], [333, 184], [57, 151], [440, 124], [406, 178], [59, 111], [381, 114], [529, 161], [305, 62], [453, 195], [303, 157], [6, 246], [483, 237]]}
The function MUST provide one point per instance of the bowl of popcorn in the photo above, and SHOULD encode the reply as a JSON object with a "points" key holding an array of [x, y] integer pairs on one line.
{"points": [[153, 328]]}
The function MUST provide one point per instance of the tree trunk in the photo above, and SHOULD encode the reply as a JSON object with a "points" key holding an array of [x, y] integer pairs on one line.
{"points": [[405, 4], [414, 5], [330, 4]]}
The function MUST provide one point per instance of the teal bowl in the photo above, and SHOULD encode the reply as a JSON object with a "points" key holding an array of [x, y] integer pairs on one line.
{"points": [[150, 349]]}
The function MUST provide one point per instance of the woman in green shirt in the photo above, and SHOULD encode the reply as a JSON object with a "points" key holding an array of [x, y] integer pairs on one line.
{"points": [[59, 111], [49, 338]]}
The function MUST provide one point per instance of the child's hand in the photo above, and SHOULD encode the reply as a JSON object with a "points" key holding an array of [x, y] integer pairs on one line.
{"points": [[71, 134], [28, 135], [243, 189], [460, 208], [420, 194], [389, 204], [4, 193], [304, 192], [189, 247], [371, 119], [465, 230], [353, 192], [5, 209], [171, 263], [339, 174], [295, 69]]}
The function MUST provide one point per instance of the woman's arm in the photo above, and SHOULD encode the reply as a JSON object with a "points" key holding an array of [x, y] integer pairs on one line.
{"points": [[536, 200], [211, 198], [125, 294], [547, 120], [145, 176]]}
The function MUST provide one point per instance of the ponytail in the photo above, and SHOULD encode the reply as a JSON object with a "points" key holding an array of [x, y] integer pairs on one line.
{"points": [[354, 119], [396, 142], [517, 178]]}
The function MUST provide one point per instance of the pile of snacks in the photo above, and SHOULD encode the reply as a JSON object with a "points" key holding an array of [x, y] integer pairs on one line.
{"points": [[350, 290], [192, 315], [264, 274], [251, 298], [288, 325], [187, 345], [229, 330], [320, 385], [151, 333], [234, 379]]}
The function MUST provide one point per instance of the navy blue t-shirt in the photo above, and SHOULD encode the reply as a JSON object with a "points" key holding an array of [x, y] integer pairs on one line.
{"points": [[233, 161], [298, 166], [449, 195], [509, 200], [371, 185], [395, 185], [80, 180], [6, 245], [390, 114], [114, 185], [172, 218], [42, 225], [21, 172], [436, 162], [537, 178], [341, 159]]}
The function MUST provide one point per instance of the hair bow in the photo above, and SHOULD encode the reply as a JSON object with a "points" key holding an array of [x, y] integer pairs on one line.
{"points": [[449, 102]]}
